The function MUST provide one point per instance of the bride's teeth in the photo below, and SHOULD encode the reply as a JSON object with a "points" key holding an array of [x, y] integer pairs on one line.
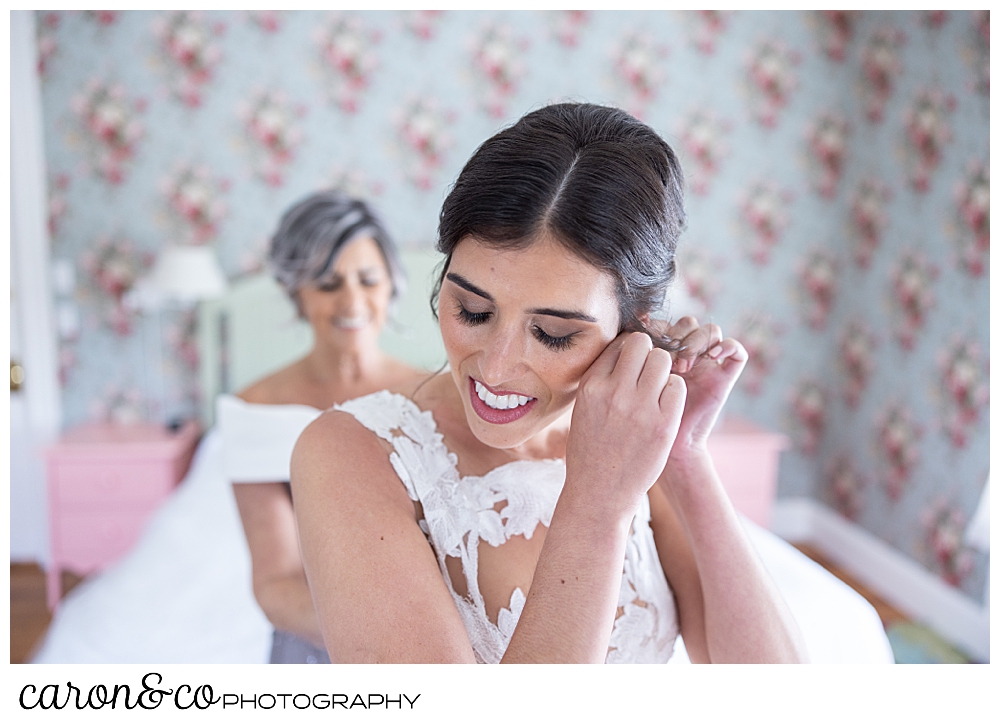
{"points": [[500, 402]]}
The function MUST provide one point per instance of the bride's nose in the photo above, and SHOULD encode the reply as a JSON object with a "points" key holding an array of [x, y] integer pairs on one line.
{"points": [[503, 357]]}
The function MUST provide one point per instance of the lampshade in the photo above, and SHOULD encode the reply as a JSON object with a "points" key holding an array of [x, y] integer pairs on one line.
{"points": [[188, 274]]}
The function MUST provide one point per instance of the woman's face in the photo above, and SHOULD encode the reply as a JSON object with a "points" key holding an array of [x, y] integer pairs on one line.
{"points": [[349, 305], [520, 328]]}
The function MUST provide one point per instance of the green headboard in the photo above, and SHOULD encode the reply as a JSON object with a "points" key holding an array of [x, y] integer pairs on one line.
{"points": [[253, 330]]}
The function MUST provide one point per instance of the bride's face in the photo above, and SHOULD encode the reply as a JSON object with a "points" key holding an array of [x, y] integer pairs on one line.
{"points": [[520, 328]]}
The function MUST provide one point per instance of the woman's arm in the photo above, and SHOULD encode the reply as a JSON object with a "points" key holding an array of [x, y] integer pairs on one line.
{"points": [[743, 617], [279, 581], [626, 416], [378, 592], [729, 608]]}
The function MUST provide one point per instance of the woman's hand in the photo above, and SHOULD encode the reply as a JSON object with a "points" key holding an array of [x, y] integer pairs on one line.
{"points": [[626, 417], [710, 365]]}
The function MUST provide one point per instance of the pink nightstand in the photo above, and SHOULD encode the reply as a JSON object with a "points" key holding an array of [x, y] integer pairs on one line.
{"points": [[104, 481], [746, 458]]}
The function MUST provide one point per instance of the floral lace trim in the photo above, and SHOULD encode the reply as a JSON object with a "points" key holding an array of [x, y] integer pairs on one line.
{"points": [[458, 512]]}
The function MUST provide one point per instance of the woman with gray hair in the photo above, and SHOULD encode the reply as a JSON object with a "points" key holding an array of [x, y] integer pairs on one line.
{"points": [[338, 265]]}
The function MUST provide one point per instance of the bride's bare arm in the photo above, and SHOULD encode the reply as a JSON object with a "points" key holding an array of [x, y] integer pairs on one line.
{"points": [[730, 610], [375, 582]]}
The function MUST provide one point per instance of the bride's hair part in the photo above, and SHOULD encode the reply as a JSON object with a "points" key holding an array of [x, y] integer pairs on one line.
{"points": [[599, 181], [312, 233]]}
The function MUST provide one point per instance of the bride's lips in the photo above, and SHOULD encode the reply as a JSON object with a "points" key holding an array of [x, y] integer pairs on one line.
{"points": [[494, 416]]}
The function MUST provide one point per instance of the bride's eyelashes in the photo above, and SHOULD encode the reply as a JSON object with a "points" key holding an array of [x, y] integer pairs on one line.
{"points": [[474, 319], [556, 343]]}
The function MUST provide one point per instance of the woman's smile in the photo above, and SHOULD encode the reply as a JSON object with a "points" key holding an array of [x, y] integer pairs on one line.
{"points": [[498, 408]]}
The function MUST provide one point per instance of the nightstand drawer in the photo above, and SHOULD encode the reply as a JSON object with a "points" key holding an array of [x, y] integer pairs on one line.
{"points": [[88, 540], [97, 483]]}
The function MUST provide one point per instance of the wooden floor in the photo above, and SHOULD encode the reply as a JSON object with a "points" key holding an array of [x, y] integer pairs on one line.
{"points": [[29, 616]]}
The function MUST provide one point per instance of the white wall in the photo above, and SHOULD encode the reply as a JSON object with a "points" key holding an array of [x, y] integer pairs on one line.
{"points": [[35, 410]]}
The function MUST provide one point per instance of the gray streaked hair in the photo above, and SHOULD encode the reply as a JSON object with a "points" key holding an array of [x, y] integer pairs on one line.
{"points": [[312, 233]]}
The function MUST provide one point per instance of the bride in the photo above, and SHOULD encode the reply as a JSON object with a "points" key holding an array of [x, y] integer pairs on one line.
{"points": [[550, 497]]}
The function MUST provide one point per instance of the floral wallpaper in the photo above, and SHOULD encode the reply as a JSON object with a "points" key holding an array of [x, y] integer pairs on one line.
{"points": [[838, 174]]}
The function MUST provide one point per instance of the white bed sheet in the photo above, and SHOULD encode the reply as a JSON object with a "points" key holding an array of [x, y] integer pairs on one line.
{"points": [[183, 594]]}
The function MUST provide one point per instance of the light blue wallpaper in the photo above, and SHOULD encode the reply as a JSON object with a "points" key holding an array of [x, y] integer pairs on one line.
{"points": [[839, 199]]}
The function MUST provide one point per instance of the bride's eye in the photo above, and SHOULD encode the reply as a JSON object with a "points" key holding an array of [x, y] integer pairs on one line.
{"points": [[473, 319], [556, 343]]}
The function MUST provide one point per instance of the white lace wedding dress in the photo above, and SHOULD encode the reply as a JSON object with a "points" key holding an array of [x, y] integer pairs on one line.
{"points": [[511, 500]]}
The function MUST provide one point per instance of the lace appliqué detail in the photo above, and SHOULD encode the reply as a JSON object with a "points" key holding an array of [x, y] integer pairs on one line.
{"points": [[459, 512]]}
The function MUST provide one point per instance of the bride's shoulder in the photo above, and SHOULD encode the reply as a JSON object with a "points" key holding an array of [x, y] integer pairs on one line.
{"points": [[334, 445]]}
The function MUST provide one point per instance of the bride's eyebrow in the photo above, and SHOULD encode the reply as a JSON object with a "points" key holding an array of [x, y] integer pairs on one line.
{"points": [[546, 311], [468, 286]]}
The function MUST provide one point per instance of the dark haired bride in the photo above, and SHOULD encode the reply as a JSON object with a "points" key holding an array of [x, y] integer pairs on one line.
{"points": [[549, 497]]}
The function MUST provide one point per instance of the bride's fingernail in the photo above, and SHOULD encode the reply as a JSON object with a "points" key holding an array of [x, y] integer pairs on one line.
{"points": [[715, 351]]}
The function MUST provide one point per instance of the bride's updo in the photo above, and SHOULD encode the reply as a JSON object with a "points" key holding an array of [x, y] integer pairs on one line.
{"points": [[593, 177]]}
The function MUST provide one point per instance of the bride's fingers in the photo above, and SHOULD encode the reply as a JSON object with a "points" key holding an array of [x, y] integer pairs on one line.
{"points": [[655, 372], [695, 344], [605, 363], [634, 352]]}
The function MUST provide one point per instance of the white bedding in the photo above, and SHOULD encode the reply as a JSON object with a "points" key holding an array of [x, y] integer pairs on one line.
{"points": [[183, 594]]}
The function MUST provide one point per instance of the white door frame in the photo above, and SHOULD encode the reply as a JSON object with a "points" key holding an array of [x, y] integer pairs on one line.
{"points": [[30, 274]]}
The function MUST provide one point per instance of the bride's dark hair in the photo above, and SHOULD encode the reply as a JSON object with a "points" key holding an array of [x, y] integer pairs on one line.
{"points": [[599, 181]]}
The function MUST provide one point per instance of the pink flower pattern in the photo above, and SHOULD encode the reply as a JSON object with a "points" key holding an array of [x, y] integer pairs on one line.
{"points": [[818, 284], [809, 410], [857, 358], [897, 439], [765, 211], [772, 79], [709, 24], [422, 23], [827, 138], [699, 271], [836, 32], [880, 66], [345, 49], [981, 51], [703, 134], [111, 127], [973, 199], [423, 127], [113, 265], [845, 486], [944, 527], [193, 197], [496, 60], [869, 218], [759, 335], [186, 41], [927, 131], [911, 287], [58, 205], [270, 124], [566, 26], [637, 63], [965, 378], [269, 21], [48, 46]]}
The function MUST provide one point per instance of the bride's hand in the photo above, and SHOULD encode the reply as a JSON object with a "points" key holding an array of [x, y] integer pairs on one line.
{"points": [[710, 365], [626, 417]]}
